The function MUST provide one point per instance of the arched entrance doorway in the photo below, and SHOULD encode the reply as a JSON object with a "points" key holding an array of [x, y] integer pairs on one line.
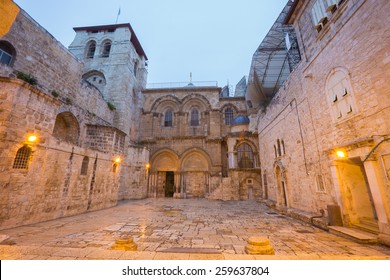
{"points": [[281, 183], [164, 175], [359, 209]]}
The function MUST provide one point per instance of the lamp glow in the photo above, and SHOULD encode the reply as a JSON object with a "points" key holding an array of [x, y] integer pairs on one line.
{"points": [[147, 166], [340, 154], [32, 138], [118, 160]]}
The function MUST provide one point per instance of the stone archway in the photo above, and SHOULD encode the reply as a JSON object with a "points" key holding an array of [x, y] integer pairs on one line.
{"points": [[358, 205], [164, 176], [195, 175]]}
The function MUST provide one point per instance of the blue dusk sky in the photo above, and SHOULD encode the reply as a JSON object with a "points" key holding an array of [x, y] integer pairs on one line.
{"points": [[213, 39]]}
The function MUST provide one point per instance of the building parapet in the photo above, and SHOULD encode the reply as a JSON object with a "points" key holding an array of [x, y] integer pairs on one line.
{"points": [[182, 84]]}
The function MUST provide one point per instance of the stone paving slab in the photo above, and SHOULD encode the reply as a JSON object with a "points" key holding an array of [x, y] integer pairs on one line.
{"points": [[180, 229]]}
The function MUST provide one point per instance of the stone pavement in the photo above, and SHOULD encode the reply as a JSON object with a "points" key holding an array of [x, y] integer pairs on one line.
{"points": [[180, 229]]}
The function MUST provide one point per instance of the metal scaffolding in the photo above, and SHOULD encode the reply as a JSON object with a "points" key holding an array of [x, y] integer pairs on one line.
{"points": [[273, 61]]}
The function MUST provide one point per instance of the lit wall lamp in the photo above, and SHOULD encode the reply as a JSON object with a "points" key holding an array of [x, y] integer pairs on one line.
{"points": [[341, 154], [32, 138], [118, 160]]}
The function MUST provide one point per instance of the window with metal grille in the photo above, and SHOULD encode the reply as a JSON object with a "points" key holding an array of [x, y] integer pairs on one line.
{"points": [[194, 117], [245, 156], [106, 49], [22, 158], [84, 166], [168, 118], [228, 115], [91, 47]]}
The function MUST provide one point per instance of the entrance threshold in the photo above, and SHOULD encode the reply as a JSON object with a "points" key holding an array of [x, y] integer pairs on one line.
{"points": [[354, 234]]}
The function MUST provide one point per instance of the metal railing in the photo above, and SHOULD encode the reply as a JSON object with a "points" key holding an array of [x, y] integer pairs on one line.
{"points": [[182, 84]]}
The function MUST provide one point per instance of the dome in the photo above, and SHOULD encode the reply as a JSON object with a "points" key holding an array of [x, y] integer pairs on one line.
{"points": [[240, 120]]}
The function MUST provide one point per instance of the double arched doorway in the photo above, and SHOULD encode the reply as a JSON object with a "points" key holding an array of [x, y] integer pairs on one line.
{"points": [[180, 177]]}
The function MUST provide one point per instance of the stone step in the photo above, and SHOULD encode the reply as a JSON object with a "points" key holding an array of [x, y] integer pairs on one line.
{"points": [[190, 250], [354, 234], [369, 225]]}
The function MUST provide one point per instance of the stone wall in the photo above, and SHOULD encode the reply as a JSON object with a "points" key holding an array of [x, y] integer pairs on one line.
{"points": [[39, 54], [52, 186], [71, 167], [301, 114], [134, 174]]}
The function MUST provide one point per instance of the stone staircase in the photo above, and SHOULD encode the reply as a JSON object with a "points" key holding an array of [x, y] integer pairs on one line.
{"points": [[224, 191]]}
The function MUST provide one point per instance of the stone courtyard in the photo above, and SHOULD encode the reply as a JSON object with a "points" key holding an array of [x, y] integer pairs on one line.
{"points": [[180, 229]]}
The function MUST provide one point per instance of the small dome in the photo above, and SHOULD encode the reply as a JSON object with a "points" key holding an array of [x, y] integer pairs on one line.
{"points": [[240, 120], [190, 85]]}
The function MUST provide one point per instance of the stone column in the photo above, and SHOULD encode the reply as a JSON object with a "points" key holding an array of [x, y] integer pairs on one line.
{"points": [[231, 160], [154, 183], [182, 184], [177, 184]]}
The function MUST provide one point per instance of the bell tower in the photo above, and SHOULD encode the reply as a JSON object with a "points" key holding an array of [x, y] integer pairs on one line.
{"points": [[116, 64]]}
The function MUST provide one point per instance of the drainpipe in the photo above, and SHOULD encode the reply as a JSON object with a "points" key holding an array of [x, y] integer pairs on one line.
{"points": [[373, 149], [317, 217]]}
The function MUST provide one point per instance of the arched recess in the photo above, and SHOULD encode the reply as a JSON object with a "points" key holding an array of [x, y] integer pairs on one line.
{"points": [[7, 53], [195, 100], [161, 103], [164, 160], [67, 128], [281, 184], [195, 170], [96, 78]]}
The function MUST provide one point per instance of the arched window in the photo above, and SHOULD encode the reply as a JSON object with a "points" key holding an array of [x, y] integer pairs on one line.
{"points": [[279, 148], [91, 48], [168, 118], [276, 154], [106, 49], [84, 166], [22, 158], [194, 117], [245, 156], [229, 115], [340, 95], [283, 148], [7, 53]]}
